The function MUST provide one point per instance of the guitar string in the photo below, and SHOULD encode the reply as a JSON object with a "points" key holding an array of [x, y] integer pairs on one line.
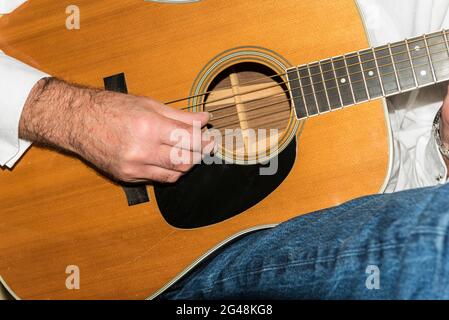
{"points": [[259, 116], [363, 70], [372, 50], [326, 89], [412, 66], [332, 70], [289, 99], [394, 45], [282, 94]]}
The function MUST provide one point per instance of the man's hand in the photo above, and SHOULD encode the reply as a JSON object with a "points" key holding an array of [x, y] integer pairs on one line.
{"points": [[124, 135]]}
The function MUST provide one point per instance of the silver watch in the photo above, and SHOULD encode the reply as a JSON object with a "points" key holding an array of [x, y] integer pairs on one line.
{"points": [[436, 133]]}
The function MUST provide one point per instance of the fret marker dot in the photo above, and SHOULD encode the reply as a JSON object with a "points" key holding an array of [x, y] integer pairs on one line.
{"points": [[417, 48], [423, 73], [371, 73], [343, 80]]}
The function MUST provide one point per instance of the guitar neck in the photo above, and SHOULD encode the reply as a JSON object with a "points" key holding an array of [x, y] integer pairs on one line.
{"points": [[369, 74]]}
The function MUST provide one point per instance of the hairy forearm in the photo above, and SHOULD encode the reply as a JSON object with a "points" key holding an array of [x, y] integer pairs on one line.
{"points": [[75, 119], [53, 114]]}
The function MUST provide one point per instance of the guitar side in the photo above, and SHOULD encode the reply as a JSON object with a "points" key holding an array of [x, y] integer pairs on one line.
{"points": [[57, 212]]}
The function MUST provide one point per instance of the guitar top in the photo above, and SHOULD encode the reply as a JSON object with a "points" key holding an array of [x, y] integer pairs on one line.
{"points": [[59, 218]]}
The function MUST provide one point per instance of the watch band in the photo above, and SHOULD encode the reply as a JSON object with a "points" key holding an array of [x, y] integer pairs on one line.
{"points": [[436, 133]]}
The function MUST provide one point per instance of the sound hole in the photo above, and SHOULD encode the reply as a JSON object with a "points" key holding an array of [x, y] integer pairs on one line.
{"points": [[250, 106]]}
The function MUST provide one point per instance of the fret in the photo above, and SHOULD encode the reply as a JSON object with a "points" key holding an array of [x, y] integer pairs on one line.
{"points": [[349, 79], [356, 77], [302, 92], [439, 55], [330, 81], [372, 78], [318, 88], [387, 70], [336, 83], [378, 71], [420, 60], [313, 88], [307, 88], [324, 85], [296, 94], [363, 77], [411, 63], [403, 63], [343, 81], [445, 40], [396, 75], [426, 44]]}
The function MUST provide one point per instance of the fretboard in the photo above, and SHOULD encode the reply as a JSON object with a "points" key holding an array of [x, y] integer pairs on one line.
{"points": [[369, 74]]}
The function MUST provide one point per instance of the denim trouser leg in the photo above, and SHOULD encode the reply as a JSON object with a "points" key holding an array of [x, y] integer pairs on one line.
{"points": [[336, 253]]}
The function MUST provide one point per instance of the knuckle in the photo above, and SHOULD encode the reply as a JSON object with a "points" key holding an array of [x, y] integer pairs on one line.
{"points": [[143, 126], [165, 161], [131, 154]]}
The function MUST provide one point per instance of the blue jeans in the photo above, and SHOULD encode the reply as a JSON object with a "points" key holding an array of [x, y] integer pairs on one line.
{"points": [[389, 246]]}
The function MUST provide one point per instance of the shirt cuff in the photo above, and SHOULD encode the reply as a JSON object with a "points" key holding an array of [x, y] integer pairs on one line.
{"points": [[16, 81], [435, 165], [8, 6]]}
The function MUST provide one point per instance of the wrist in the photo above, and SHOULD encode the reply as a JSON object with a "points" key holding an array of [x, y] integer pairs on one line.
{"points": [[444, 132], [441, 134], [53, 114]]}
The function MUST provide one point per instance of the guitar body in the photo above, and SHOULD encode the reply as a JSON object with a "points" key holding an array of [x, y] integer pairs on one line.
{"points": [[55, 211]]}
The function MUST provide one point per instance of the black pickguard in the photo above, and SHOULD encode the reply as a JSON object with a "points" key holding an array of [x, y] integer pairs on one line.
{"points": [[212, 193]]}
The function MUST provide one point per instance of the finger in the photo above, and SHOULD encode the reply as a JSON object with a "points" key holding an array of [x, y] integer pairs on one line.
{"points": [[183, 136], [177, 159], [158, 174], [184, 116]]}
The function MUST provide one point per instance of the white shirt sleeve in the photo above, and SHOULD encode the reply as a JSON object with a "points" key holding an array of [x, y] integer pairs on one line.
{"points": [[8, 6], [417, 161], [16, 82]]}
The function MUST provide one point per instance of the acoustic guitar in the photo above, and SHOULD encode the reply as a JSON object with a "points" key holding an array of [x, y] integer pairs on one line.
{"points": [[254, 64]]}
